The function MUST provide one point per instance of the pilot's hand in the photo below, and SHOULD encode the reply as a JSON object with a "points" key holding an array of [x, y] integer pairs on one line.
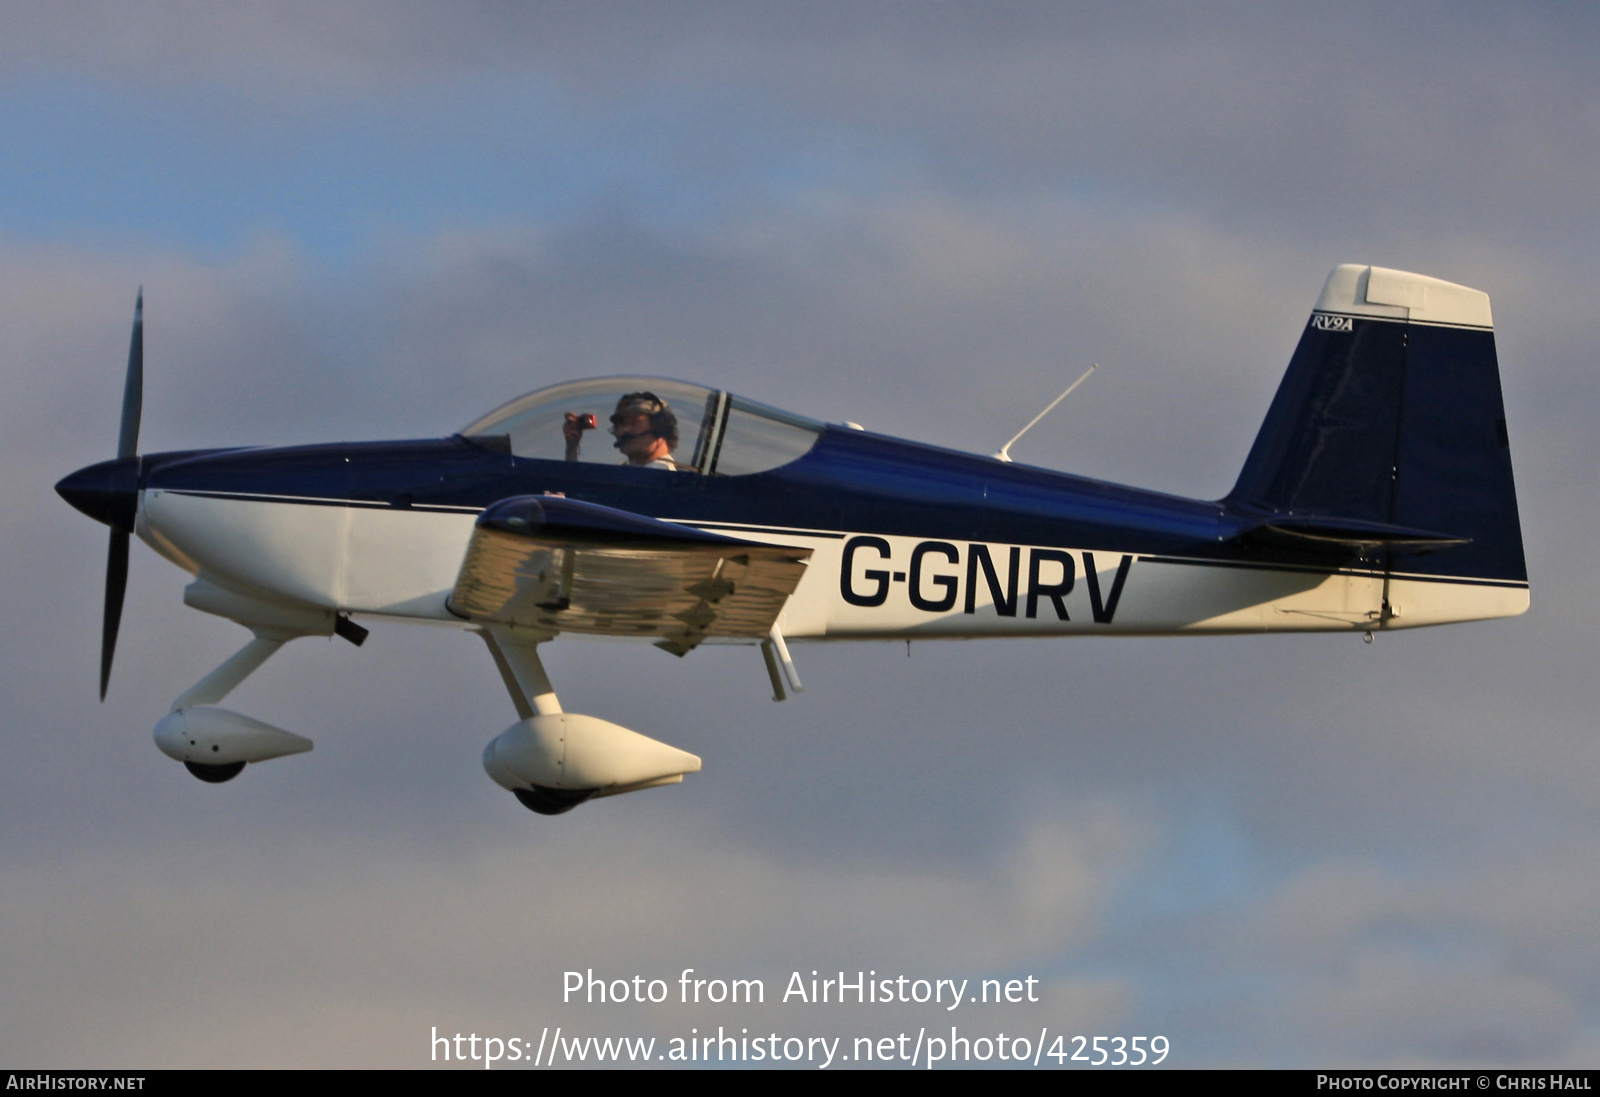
{"points": [[572, 431]]}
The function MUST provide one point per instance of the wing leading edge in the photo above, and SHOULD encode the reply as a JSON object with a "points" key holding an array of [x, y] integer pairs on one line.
{"points": [[552, 564]]}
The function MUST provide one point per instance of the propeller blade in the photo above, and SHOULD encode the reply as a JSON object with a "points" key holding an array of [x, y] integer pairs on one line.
{"points": [[116, 587], [133, 387], [127, 446]]}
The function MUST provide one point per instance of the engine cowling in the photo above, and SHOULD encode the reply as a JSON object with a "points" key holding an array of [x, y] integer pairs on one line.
{"points": [[561, 759]]}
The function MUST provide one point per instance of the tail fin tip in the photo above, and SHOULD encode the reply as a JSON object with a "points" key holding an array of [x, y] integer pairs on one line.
{"points": [[1356, 289]]}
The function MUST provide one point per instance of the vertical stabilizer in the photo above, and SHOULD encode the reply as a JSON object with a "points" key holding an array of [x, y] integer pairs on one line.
{"points": [[1391, 413]]}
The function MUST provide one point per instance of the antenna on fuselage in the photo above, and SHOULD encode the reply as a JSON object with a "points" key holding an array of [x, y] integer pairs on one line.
{"points": [[1003, 455]]}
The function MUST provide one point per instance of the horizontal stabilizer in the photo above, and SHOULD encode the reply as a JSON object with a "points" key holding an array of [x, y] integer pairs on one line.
{"points": [[1348, 534], [560, 565]]}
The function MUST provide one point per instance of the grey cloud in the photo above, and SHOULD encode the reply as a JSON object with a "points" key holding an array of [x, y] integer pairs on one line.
{"points": [[1398, 122], [1395, 1004], [332, 954]]}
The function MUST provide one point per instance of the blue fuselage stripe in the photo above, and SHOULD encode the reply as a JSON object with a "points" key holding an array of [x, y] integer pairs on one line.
{"points": [[850, 481]]}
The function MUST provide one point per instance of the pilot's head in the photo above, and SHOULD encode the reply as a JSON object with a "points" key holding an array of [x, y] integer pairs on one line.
{"points": [[642, 424]]}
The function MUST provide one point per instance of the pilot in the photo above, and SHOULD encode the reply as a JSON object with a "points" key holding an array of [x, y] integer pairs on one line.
{"points": [[643, 426]]}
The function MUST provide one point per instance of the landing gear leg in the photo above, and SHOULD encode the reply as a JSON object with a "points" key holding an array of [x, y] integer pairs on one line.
{"points": [[222, 681], [522, 671]]}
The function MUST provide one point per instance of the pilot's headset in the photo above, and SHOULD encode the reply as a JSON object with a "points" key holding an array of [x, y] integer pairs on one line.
{"points": [[663, 423]]}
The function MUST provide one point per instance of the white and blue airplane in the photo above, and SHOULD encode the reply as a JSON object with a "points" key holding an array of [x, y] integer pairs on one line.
{"points": [[1377, 496]]}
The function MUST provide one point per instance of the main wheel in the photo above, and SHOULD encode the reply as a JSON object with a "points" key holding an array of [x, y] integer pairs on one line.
{"points": [[550, 801], [214, 775]]}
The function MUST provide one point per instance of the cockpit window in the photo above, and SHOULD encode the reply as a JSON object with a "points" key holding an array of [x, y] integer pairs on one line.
{"points": [[536, 425], [703, 430], [755, 438]]}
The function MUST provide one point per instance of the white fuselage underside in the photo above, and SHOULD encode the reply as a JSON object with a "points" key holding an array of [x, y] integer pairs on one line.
{"points": [[404, 562]]}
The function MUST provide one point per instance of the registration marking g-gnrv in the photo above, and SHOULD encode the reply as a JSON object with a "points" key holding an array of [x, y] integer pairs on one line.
{"points": [[936, 578]]}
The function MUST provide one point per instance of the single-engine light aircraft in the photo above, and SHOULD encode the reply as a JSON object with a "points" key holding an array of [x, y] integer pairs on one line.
{"points": [[1377, 496]]}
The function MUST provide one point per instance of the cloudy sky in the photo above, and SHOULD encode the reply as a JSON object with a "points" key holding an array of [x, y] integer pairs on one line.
{"points": [[359, 221]]}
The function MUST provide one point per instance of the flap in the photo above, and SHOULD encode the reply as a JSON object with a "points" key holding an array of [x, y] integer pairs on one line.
{"points": [[560, 565]]}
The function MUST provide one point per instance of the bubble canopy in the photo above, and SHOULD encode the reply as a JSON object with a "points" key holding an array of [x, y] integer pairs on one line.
{"points": [[718, 434]]}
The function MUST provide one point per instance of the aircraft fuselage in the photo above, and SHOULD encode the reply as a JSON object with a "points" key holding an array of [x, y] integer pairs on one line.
{"points": [[908, 541]]}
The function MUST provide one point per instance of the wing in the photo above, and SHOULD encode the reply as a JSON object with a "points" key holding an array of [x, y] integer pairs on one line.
{"points": [[559, 565]]}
